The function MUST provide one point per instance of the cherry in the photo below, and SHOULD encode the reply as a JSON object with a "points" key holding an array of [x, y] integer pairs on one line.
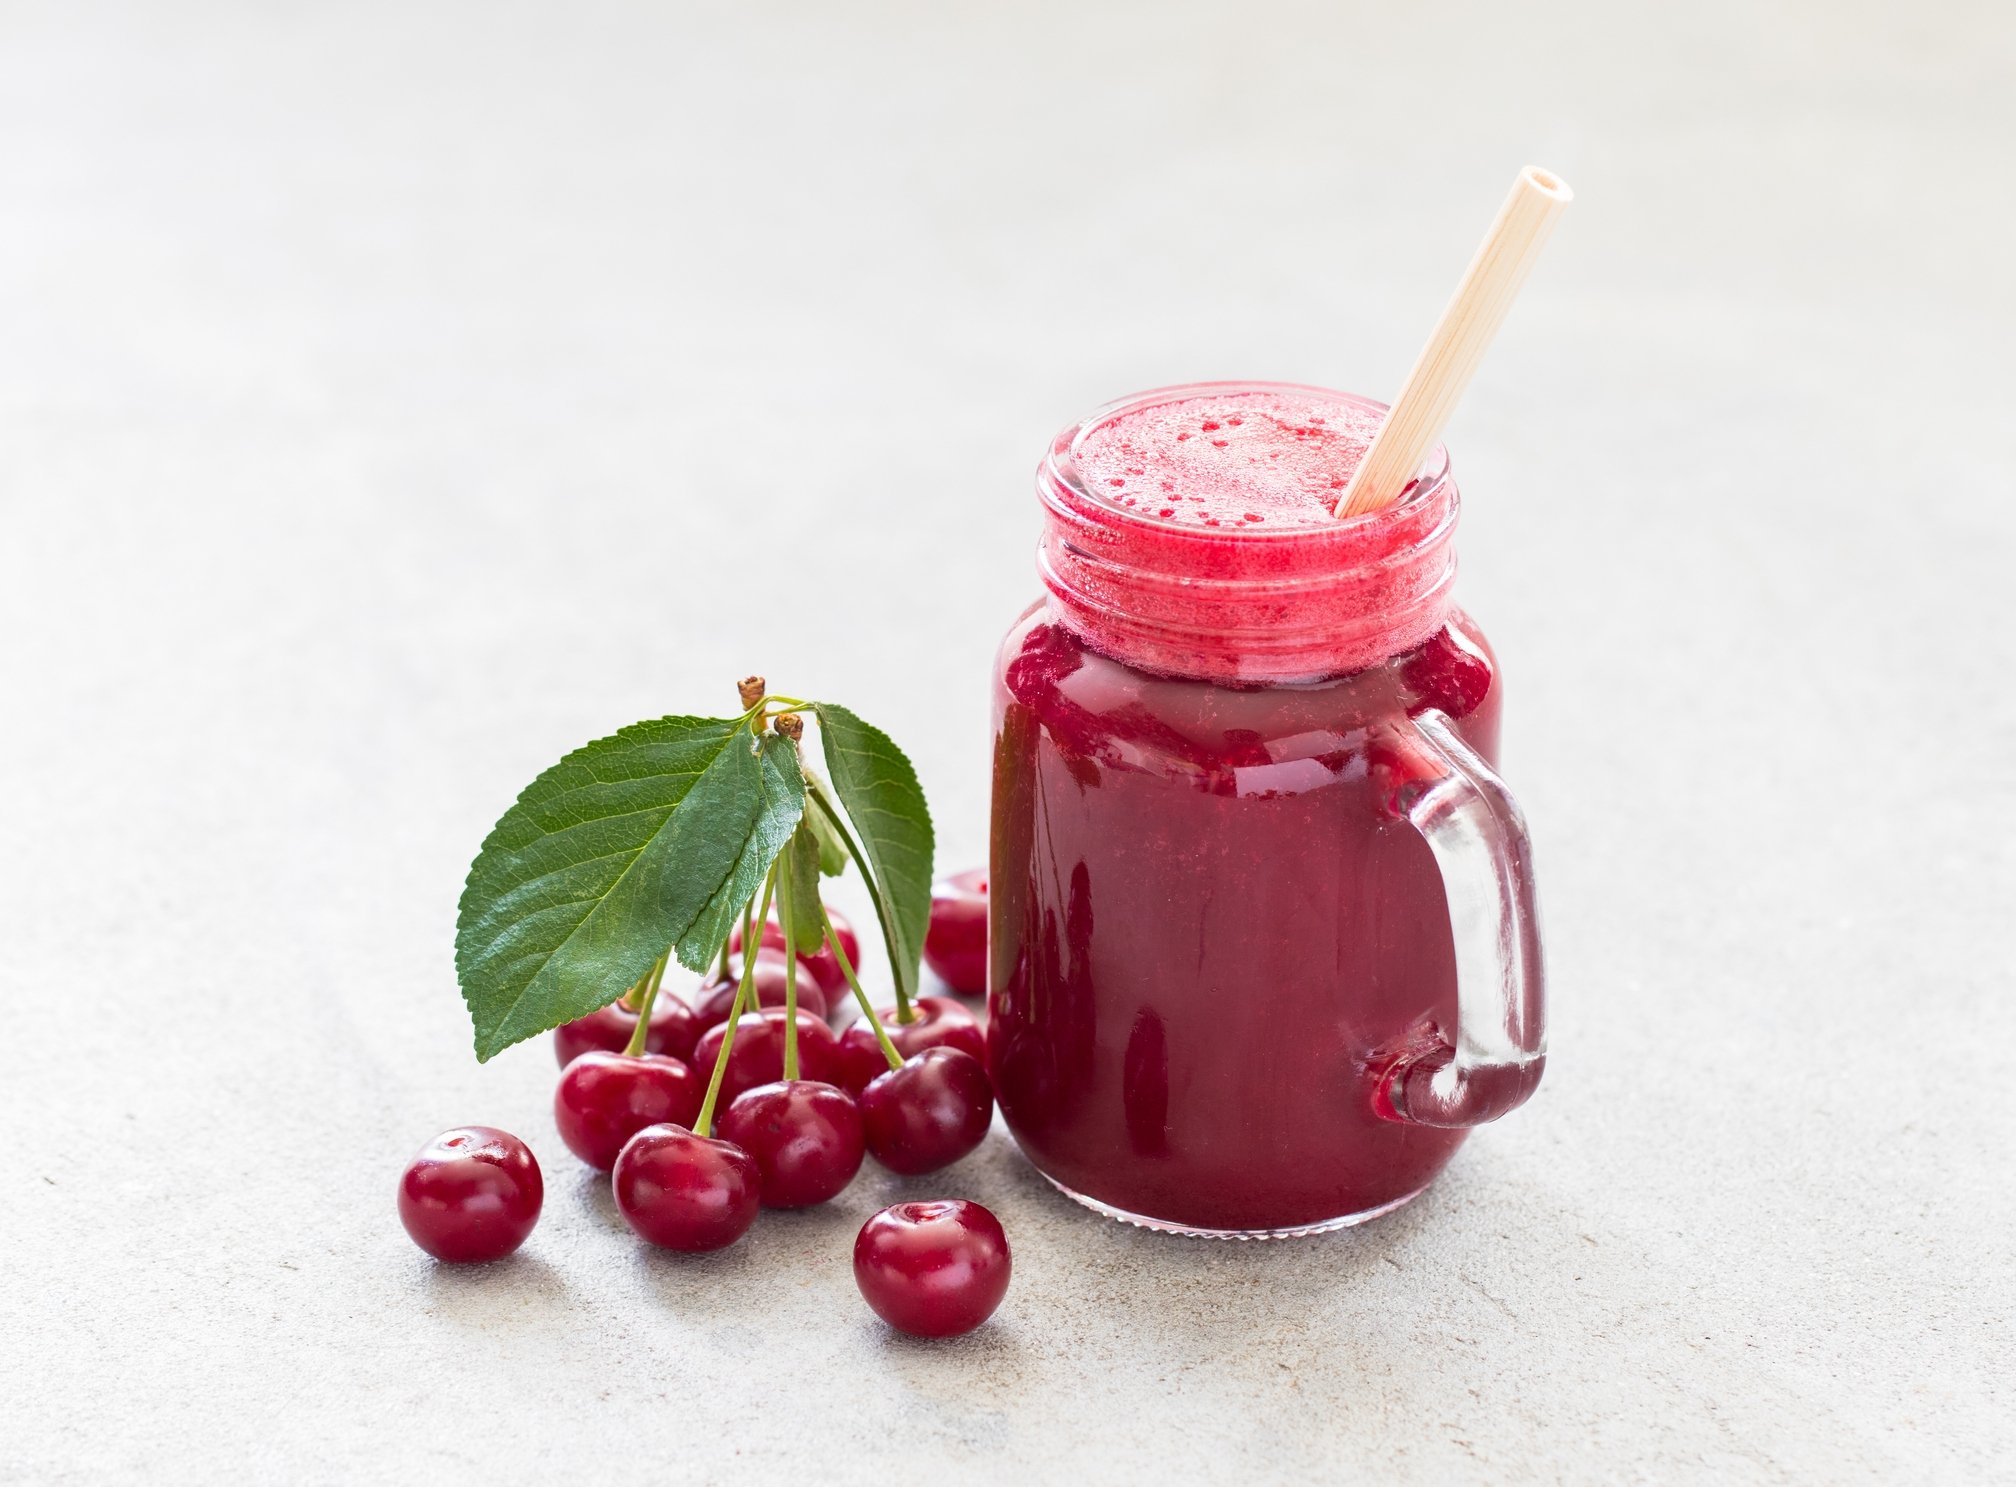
{"points": [[932, 1269], [805, 1136], [684, 1191], [471, 1194], [603, 1099], [716, 998], [758, 1054], [929, 1113], [955, 946], [821, 962], [859, 1060], [674, 1030], [939, 1022]]}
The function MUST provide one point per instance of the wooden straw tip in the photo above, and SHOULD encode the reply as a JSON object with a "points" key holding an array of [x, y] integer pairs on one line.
{"points": [[1414, 423], [1546, 182]]}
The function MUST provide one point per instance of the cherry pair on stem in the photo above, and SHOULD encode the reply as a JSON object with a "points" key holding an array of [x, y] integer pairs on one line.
{"points": [[800, 1138], [922, 1114]]}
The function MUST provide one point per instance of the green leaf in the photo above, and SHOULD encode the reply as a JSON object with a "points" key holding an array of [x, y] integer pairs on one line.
{"points": [[832, 851], [801, 904], [638, 841], [781, 805], [886, 805]]}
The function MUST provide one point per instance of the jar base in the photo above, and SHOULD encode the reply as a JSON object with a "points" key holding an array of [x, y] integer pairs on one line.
{"points": [[1297, 1231]]}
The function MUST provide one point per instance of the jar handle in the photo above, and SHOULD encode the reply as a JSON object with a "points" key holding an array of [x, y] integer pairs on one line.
{"points": [[1474, 828]]}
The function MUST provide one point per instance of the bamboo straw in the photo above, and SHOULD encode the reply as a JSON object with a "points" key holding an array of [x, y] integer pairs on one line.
{"points": [[1461, 338]]}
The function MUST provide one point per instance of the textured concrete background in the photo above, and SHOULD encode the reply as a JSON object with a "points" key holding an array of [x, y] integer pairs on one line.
{"points": [[393, 396]]}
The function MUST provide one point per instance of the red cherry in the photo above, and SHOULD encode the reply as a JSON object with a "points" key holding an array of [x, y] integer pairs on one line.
{"points": [[603, 1099], [933, 1269], [939, 1022], [715, 999], [955, 946], [758, 1054], [831, 978], [674, 1030], [805, 1136], [860, 1060], [683, 1191], [929, 1113], [471, 1194]]}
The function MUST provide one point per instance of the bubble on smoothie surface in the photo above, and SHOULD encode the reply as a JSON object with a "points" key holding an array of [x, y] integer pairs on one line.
{"points": [[1251, 460]]}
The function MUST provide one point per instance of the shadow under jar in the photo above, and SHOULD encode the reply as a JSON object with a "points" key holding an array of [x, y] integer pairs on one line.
{"points": [[1263, 941]]}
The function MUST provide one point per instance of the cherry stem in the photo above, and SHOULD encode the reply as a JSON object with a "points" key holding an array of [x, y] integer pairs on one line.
{"points": [[703, 1123], [633, 997], [817, 792], [867, 1010], [786, 907], [649, 981], [749, 925], [759, 713]]}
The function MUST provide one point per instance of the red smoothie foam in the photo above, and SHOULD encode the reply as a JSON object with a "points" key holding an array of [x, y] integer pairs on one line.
{"points": [[1191, 533], [1276, 457]]}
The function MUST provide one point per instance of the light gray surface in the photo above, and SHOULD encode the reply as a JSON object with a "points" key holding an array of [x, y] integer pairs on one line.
{"points": [[397, 396]]}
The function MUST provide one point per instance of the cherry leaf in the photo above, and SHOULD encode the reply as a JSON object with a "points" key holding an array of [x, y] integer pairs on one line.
{"points": [[654, 836], [878, 789]]}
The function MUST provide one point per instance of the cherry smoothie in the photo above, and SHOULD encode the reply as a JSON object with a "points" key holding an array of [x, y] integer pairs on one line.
{"points": [[1213, 933]]}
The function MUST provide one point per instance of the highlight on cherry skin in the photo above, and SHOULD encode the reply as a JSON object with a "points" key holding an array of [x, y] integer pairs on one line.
{"points": [[832, 980], [683, 1191], [955, 945], [937, 1022], [805, 1136], [471, 1195], [674, 1030], [757, 1056], [603, 1099], [933, 1269], [929, 1113], [715, 997]]}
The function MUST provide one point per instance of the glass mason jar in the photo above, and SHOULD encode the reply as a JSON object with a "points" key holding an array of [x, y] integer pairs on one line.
{"points": [[1263, 941]]}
